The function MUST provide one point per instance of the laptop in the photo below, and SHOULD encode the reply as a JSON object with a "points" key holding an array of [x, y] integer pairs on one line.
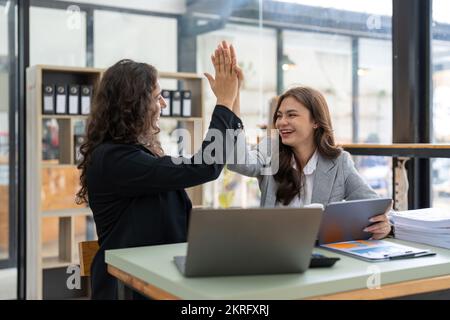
{"points": [[346, 220], [225, 242]]}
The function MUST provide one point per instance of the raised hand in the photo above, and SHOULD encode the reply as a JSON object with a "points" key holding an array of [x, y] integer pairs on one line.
{"points": [[240, 75], [225, 83], [236, 67]]}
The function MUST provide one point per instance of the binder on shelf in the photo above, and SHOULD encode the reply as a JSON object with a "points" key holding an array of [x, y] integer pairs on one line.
{"points": [[165, 112], [86, 98], [48, 103], [61, 99], [186, 105], [175, 106], [74, 99]]}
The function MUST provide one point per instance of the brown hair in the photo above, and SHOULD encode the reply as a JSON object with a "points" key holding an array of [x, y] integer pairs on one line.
{"points": [[290, 182], [121, 113]]}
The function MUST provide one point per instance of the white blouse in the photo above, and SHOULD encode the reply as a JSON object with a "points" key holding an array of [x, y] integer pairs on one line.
{"points": [[304, 198]]}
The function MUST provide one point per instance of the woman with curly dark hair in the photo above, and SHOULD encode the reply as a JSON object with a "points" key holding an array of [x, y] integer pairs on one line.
{"points": [[136, 193]]}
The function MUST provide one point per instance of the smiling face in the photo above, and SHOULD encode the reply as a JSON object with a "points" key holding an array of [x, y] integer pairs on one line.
{"points": [[294, 123]]}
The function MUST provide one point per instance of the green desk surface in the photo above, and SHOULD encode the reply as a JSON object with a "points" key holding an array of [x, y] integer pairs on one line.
{"points": [[154, 265]]}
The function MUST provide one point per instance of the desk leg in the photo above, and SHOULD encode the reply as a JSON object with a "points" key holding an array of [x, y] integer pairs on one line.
{"points": [[124, 292], [142, 290]]}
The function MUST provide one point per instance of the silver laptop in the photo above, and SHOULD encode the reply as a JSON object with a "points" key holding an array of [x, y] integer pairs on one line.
{"points": [[249, 241]]}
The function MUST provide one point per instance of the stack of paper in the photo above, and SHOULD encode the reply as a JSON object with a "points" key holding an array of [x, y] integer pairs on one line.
{"points": [[430, 226]]}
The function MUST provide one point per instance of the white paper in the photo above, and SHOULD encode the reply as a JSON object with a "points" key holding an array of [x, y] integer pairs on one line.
{"points": [[85, 104], [48, 104], [61, 103], [73, 104], [429, 226], [176, 108], [166, 111], [186, 107], [430, 217]]}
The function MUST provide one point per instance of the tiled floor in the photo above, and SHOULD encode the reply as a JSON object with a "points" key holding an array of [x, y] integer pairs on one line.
{"points": [[8, 284]]}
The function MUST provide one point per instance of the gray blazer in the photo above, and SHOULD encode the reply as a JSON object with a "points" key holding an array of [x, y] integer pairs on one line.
{"points": [[334, 180]]}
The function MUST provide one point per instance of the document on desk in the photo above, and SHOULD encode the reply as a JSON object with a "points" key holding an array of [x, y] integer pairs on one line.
{"points": [[430, 226], [377, 250]]}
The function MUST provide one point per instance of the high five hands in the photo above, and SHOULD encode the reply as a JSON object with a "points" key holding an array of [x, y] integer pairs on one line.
{"points": [[228, 77]]}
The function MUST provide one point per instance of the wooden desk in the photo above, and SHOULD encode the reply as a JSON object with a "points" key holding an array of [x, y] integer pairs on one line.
{"points": [[412, 150], [151, 271]]}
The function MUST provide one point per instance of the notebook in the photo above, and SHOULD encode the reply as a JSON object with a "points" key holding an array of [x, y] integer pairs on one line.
{"points": [[377, 250]]}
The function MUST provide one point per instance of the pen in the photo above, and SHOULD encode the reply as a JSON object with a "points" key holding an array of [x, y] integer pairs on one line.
{"points": [[402, 256], [410, 255]]}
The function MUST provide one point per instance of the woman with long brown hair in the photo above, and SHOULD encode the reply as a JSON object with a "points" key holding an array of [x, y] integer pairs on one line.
{"points": [[136, 193], [306, 166]]}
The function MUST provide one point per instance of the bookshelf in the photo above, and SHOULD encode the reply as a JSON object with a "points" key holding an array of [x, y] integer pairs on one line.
{"points": [[55, 223]]}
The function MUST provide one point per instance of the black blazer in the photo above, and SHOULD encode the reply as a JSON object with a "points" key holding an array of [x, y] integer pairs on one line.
{"points": [[138, 199]]}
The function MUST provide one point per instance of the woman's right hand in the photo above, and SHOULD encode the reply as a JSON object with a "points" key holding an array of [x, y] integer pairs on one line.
{"points": [[236, 67], [225, 83], [240, 75]]}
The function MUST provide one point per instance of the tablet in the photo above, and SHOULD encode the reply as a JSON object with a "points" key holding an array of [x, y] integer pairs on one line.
{"points": [[345, 221]]}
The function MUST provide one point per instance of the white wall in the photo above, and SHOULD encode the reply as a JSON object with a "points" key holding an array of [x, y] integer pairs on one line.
{"points": [[57, 37], [324, 62], [375, 88], [3, 31], [143, 38]]}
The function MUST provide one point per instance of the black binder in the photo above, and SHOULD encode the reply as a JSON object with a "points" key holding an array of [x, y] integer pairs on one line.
{"points": [[86, 99], [74, 99], [48, 99], [175, 106], [61, 99], [186, 105], [165, 112]]}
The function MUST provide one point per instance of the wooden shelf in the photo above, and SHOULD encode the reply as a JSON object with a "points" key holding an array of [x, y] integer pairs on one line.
{"points": [[56, 166], [67, 212], [65, 69], [55, 262], [82, 117], [398, 146], [182, 118], [51, 183], [54, 183], [414, 150], [65, 116], [180, 76]]}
